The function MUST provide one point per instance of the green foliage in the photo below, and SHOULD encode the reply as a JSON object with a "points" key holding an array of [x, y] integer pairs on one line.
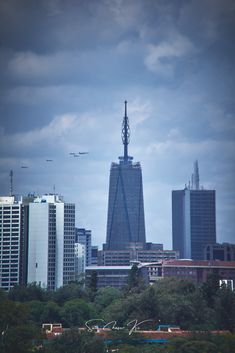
{"points": [[35, 310], [74, 341], [3, 294], [198, 346], [92, 285], [70, 291], [105, 296], [11, 314], [135, 281], [76, 312], [210, 289], [17, 333], [169, 301], [51, 313], [225, 309], [27, 293], [123, 310]]}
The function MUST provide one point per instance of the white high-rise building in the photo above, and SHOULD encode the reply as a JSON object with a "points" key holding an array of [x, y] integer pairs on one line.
{"points": [[10, 241], [51, 242]]}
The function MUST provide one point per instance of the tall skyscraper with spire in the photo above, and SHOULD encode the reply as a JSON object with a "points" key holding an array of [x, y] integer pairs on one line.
{"points": [[193, 218], [125, 224]]}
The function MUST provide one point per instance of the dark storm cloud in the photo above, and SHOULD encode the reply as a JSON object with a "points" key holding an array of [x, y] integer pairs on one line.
{"points": [[67, 66]]}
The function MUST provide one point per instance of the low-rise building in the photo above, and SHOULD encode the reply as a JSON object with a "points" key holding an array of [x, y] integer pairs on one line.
{"points": [[196, 271], [125, 257], [108, 276]]}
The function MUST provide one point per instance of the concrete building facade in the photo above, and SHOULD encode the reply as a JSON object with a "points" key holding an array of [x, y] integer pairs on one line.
{"points": [[51, 256], [10, 242], [125, 257], [222, 252]]}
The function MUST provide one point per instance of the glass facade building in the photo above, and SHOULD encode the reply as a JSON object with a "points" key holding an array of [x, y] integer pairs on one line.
{"points": [[125, 223], [193, 221]]}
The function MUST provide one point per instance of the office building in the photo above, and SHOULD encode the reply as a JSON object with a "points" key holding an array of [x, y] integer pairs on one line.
{"points": [[14, 217], [222, 252], [51, 242], [108, 276], [195, 271], [126, 257], [83, 236], [125, 222], [10, 241], [94, 255], [193, 219], [80, 256]]}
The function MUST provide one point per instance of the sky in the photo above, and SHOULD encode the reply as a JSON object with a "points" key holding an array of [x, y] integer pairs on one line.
{"points": [[67, 67]]}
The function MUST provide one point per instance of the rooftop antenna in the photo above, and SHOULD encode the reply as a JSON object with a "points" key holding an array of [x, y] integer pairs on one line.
{"points": [[196, 176], [125, 134], [11, 182], [54, 189]]}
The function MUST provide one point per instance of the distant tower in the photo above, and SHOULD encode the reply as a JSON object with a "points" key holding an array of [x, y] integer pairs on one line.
{"points": [[193, 219], [125, 224]]}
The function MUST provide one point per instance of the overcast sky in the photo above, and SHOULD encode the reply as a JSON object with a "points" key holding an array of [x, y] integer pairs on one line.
{"points": [[66, 68]]}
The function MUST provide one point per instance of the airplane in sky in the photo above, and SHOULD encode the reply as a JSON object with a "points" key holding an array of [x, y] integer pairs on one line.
{"points": [[49, 160], [24, 166], [77, 153]]}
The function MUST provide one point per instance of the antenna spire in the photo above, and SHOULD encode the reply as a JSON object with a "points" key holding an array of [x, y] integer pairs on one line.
{"points": [[125, 134], [11, 182], [196, 176]]}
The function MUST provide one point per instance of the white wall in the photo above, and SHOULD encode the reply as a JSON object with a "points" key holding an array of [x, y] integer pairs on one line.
{"points": [[38, 243]]}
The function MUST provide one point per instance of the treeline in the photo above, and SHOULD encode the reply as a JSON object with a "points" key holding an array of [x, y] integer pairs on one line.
{"points": [[170, 301]]}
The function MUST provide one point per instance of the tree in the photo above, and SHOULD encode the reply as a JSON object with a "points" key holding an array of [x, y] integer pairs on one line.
{"points": [[135, 281], [105, 296], [92, 284], [76, 312], [27, 293], [35, 309], [51, 313], [198, 346], [17, 333], [74, 341], [149, 304], [70, 291], [210, 289], [225, 309]]}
